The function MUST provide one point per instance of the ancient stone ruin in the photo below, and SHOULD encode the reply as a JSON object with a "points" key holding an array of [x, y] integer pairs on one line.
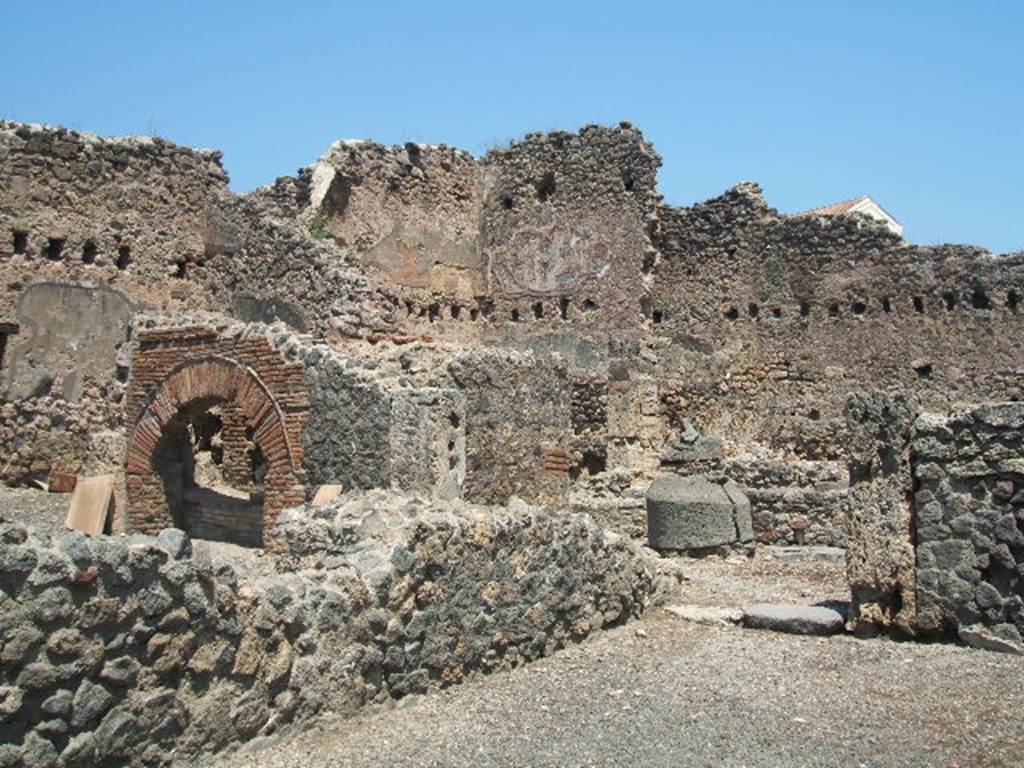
{"points": [[506, 368]]}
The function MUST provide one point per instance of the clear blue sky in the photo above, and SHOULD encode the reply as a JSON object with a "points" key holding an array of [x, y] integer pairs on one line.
{"points": [[920, 104]]}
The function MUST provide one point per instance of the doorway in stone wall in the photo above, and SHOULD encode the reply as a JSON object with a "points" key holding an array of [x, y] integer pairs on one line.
{"points": [[212, 473], [212, 450]]}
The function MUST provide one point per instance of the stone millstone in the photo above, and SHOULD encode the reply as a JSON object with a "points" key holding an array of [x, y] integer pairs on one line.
{"points": [[696, 512], [795, 619]]}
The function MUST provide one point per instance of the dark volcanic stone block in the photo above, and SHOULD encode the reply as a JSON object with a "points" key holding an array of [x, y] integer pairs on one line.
{"points": [[696, 512]]}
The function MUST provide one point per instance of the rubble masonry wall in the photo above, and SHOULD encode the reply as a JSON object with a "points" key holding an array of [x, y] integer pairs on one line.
{"points": [[133, 650], [969, 514]]}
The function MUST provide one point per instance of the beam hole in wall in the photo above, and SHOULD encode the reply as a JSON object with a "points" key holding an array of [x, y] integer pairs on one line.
{"points": [[923, 370], [1012, 300], [181, 269], [859, 307], [589, 305], [627, 182], [508, 203], [89, 252], [124, 257], [20, 241], [486, 306], [538, 310], [55, 248], [433, 312], [753, 310], [456, 311], [886, 304], [545, 186], [474, 314], [593, 462], [515, 315], [657, 316], [777, 312], [563, 308], [833, 310], [949, 299], [918, 304], [409, 308], [805, 309], [980, 300], [732, 314]]}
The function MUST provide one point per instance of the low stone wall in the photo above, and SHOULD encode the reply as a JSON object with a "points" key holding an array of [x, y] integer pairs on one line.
{"points": [[793, 502], [615, 500], [130, 651]]}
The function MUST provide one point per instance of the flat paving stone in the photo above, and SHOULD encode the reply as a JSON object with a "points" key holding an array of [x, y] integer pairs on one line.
{"points": [[826, 554], [980, 637], [707, 614], [794, 619]]}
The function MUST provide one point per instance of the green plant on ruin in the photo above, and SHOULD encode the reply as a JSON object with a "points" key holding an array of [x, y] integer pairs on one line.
{"points": [[318, 226]]}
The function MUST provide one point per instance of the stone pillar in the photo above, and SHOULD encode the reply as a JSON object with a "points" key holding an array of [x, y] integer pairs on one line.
{"points": [[880, 554], [969, 517], [235, 443]]}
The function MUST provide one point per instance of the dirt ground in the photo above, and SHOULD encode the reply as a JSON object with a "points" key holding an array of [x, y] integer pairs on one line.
{"points": [[739, 580], [667, 692]]}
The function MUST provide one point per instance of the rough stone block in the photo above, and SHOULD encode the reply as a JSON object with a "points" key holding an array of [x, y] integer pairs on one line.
{"points": [[175, 542]]}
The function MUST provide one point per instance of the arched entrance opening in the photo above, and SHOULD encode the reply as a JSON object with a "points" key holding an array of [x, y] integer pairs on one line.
{"points": [[210, 454], [212, 473]]}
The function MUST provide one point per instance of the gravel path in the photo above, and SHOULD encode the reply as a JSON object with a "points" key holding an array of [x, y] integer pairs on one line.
{"points": [[739, 580], [666, 692]]}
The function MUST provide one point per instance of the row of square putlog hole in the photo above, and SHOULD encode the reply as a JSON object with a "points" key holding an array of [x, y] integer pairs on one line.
{"points": [[978, 299], [56, 250], [486, 310]]}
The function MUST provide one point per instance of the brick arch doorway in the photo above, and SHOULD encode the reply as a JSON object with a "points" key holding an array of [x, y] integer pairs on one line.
{"points": [[162, 494]]}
